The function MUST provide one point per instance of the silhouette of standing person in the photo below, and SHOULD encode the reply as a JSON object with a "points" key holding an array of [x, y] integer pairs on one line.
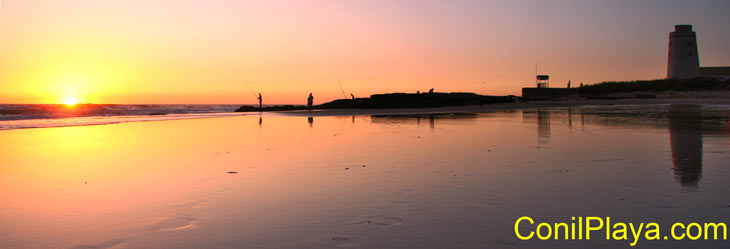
{"points": [[310, 100], [568, 84], [260, 100], [353, 96]]}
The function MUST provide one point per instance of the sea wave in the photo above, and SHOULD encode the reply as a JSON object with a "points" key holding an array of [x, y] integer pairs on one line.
{"points": [[18, 116], [102, 120], [47, 111]]}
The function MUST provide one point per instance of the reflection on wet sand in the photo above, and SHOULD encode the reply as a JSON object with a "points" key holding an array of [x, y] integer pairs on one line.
{"points": [[685, 132], [310, 120], [543, 126], [431, 122], [432, 118], [541, 117], [684, 123]]}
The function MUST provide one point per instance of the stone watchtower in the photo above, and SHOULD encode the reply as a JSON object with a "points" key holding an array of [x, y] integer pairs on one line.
{"points": [[683, 61]]}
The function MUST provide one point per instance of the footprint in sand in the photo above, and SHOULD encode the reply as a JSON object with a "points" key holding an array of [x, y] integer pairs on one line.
{"points": [[167, 224], [373, 220], [103, 245], [174, 223], [195, 203]]}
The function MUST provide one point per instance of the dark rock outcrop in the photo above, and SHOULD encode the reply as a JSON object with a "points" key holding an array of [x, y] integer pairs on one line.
{"points": [[397, 100], [416, 100], [250, 108]]}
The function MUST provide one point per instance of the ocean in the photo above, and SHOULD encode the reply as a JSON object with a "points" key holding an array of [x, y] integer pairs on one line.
{"points": [[20, 116]]}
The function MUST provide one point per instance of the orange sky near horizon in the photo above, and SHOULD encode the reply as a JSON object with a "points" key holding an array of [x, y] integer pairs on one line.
{"points": [[202, 52]]}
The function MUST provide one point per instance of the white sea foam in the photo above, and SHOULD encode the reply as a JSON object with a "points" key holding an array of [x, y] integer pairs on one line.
{"points": [[102, 120]]}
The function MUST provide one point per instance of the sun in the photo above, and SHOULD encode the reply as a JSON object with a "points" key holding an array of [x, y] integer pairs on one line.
{"points": [[70, 101]]}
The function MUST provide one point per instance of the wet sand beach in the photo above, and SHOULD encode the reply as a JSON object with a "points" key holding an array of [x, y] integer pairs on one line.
{"points": [[452, 179], [710, 100]]}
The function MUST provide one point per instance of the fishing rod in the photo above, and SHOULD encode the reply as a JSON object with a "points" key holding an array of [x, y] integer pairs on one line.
{"points": [[340, 83], [252, 92]]}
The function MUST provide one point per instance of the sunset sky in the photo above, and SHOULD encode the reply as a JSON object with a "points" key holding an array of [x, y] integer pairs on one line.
{"points": [[201, 51]]}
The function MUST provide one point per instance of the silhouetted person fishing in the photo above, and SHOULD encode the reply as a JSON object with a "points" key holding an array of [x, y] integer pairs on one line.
{"points": [[310, 100], [260, 100]]}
